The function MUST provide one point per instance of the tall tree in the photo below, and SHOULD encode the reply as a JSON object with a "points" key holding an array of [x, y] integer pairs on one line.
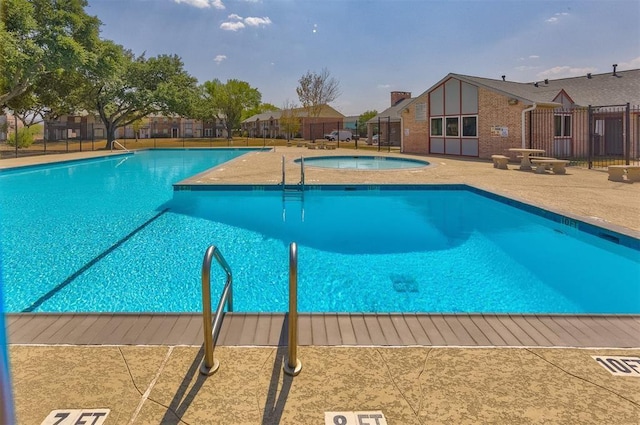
{"points": [[315, 90], [228, 101], [125, 88], [40, 39], [290, 121]]}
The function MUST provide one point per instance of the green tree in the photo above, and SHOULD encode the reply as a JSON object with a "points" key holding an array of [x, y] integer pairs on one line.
{"points": [[40, 40], [362, 121], [228, 101], [123, 88], [315, 90]]}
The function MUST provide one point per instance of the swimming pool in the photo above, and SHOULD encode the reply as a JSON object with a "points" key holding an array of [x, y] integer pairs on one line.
{"points": [[363, 162], [111, 235]]}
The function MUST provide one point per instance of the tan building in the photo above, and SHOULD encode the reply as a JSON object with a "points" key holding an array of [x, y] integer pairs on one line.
{"points": [[569, 118], [268, 124], [84, 126]]}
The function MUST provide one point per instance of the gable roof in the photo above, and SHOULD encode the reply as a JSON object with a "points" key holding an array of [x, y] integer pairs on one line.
{"points": [[599, 90], [393, 112], [325, 112]]}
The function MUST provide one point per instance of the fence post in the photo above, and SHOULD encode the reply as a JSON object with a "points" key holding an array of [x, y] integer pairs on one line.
{"points": [[591, 137], [627, 134]]}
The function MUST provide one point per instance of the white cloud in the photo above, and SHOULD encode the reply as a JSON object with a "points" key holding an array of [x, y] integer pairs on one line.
{"points": [[384, 86], [632, 64], [200, 4], [231, 26], [534, 57], [219, 59], [257, 22], [565, 72], [239, 22], [217, 4], [556, 17]]}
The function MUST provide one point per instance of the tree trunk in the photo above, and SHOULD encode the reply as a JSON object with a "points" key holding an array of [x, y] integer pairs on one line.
{"points": [[111, 136]]}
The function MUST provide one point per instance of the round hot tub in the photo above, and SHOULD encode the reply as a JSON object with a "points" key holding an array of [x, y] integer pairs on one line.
{"points": [[363, 162]]}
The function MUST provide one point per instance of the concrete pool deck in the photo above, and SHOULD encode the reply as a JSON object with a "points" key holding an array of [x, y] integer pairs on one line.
{"points": [[159, 384]]}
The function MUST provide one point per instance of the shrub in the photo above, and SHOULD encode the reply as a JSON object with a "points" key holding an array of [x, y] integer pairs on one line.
{"points": [[25, 137]]}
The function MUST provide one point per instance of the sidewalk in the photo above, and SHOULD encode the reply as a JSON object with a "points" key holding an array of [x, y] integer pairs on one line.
{"points": [[412, 385]]}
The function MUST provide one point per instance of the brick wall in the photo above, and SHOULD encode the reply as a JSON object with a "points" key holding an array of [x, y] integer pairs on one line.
{"points": [[417, 139], [494, 112], [397, 96]]}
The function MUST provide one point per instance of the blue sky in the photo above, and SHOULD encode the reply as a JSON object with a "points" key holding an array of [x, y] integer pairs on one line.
{"points": [[373, 47]]}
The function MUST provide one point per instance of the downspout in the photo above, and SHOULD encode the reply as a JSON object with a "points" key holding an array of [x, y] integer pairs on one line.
{"points": [[401, 133], [535, 105]]}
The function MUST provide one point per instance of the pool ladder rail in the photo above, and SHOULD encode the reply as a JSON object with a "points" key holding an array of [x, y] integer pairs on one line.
{"points": [[291, 192], [212, 329], [210, 364]]}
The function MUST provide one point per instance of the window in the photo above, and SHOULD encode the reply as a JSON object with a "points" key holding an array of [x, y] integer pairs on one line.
{"points": [[562, 126], [469, 126], [436, 126], [421, 112], [452, 126]]}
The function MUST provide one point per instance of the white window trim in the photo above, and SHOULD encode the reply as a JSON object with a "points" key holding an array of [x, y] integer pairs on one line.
{"points": [[562, 128], [441, 126], [462, 117], [447, 117]]}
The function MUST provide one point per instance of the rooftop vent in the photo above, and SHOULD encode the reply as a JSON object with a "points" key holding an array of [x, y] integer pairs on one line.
{"points": [[535, 84], [589, 75], [546, 81], [503, 78], [615, 65]]}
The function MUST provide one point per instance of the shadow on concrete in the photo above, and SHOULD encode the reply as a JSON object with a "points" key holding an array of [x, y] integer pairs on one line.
{"points": [[183, 398], [276, 399]]}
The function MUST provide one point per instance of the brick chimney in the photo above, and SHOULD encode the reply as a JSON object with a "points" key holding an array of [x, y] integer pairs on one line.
{"points": [[397, 96]]}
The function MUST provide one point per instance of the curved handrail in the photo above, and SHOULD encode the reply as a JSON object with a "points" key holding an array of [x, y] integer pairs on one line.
{"points": [[293, 366], [115, 142], [212, 329]]}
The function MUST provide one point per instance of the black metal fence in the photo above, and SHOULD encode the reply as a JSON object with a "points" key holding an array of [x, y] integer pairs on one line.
{"points": [[592, 137]]}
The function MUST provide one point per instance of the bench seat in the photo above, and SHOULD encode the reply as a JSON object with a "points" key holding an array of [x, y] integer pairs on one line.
{"points": [[617, 173], [557, 165], [500, 161]]}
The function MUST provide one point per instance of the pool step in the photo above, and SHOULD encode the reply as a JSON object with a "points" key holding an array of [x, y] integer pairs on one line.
{"points": [[293, 194]]}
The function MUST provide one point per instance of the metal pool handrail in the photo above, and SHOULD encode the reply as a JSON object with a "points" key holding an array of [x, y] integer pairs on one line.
{"points": [[302, 172], [115, 142], [211, 330], [283, 180], [293, 366]]}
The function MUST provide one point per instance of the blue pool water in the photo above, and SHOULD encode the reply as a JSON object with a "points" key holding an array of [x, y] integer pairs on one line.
{"points": [[363, 162], [111, 235]]}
